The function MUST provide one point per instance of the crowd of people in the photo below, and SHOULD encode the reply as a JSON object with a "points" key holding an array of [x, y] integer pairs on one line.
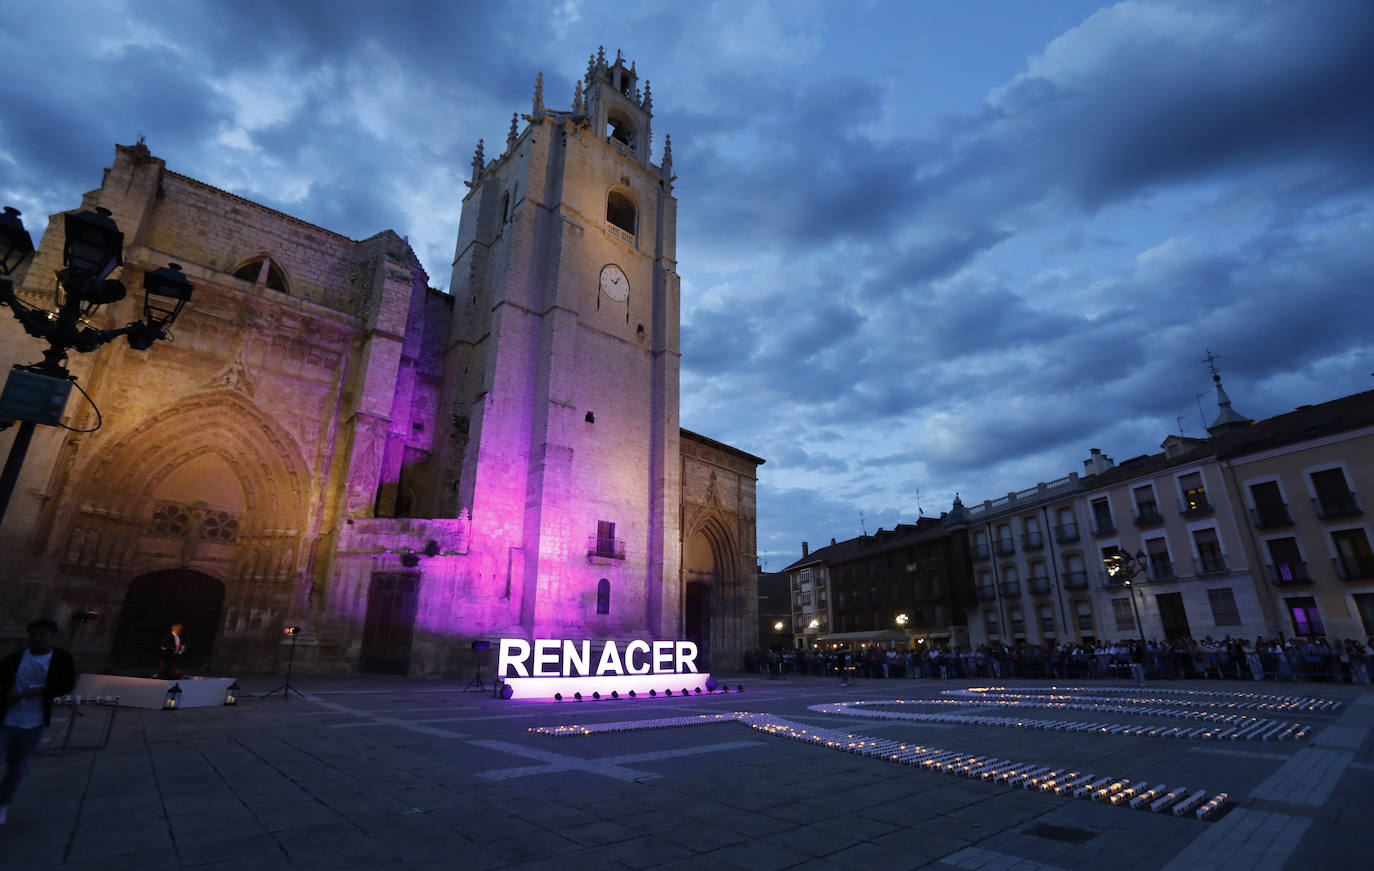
{"points": [[1309, 659]]}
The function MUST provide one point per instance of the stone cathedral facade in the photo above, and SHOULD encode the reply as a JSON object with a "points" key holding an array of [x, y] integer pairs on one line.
{"points": [[331, 443]]}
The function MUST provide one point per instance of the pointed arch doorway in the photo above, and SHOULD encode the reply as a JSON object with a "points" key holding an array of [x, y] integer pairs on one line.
{"points": [[707, 568], [152, 603]]}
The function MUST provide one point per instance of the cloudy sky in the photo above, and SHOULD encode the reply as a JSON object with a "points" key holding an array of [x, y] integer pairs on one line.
{"points": [[925, 246]]}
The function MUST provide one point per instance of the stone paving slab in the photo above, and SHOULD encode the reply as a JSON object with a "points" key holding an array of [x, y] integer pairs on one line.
{"points": [[372, 772]]}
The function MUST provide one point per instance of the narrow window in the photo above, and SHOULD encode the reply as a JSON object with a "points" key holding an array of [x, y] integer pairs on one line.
{"points": [[603, 596]]}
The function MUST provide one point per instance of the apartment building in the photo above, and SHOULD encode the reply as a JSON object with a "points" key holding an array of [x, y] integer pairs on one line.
{"points": [[911, 582]]}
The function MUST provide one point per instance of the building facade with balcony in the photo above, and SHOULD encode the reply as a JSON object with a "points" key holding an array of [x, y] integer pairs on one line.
{"points": [[1031, 574], [1299, 482], [863, 585], [1173, 507]]}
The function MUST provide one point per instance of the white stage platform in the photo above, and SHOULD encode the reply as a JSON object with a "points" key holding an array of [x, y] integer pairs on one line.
{"points": [[143, 692]]}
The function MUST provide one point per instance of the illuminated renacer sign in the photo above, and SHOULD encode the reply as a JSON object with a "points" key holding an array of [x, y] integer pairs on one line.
{"points": [[552, 666]]}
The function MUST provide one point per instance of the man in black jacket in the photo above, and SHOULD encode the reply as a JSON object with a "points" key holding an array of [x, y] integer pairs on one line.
{"points": [[29, 681]]}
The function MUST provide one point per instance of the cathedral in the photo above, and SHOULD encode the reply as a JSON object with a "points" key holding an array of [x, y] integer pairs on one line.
{"points": [[330, 443]]}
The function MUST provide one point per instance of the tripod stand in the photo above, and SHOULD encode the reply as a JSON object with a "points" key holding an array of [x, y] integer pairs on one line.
{"points": [[476, 685], [286, 689]]}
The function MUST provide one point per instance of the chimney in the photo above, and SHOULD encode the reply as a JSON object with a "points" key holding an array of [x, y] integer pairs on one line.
{"points": [[1097, 463], [832, 541], [806, 549]]}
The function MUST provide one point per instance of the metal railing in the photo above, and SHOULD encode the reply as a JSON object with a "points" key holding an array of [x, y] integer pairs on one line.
{"points": [[606, 548], [1211, 564], [1284, 574], [1148, 515], [1354, 568], [1162, 570], [1066, 532], [1076, 580], [1005, 547], [1039, 585], [1331, 507], [1272, 516], [1032, 540], [1010, 589]]}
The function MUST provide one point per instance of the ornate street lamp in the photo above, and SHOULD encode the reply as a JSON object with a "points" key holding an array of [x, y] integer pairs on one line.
{"points": [[1123, 567], [93, 249]]}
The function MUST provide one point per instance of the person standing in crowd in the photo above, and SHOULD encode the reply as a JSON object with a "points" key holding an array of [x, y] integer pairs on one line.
{"points": [[173, 646], [31, 679]]}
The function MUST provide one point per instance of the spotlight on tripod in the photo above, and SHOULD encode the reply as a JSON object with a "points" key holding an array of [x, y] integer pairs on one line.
{"points": [[286, 689]]}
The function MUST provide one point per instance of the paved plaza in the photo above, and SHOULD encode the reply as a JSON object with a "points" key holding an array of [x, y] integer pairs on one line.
{"points": [[372, 772]]}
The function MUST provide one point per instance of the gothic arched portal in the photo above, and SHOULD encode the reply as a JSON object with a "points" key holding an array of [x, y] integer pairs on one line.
{"points": [[152, 603], [711, 587]]}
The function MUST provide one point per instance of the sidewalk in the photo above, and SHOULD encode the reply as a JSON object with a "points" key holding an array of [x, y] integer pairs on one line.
{"points": [[375, 772]]}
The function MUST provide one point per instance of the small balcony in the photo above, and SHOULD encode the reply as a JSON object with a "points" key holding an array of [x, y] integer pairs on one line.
{"points": [[1162, 570], [1005, 547], [1039, 585], [1354, 568], [1075, 580], [1066, 533], [986, 593], [1032, 541], [1148, 515], [980, 551], [1271, 517], [600, 547], [1289, 574], [1103, 526], [1195, 506], [1010, 589], [1333, 507], [1211, 564]]}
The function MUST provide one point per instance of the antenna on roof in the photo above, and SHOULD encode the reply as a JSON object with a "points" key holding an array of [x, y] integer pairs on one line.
{"points": [[862, 527], [1197, 397], [1179, 419], [920, 512]]}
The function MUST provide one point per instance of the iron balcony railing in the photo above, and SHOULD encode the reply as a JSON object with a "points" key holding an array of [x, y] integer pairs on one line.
{"points": [[1005, 547], [1354, 568], [980, 551], [1148, 515], [1076, 580], [1271, 516], [1211, 564], [1103, 526], [1161, 569], [1010, 589], [1032, 540], [606, 548], [1285, 574], [1331, 507], [1066, 533], [1039, 585], [986, 593]]}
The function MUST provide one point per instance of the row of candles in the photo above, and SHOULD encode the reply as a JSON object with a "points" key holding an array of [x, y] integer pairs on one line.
{"points": [[1116, 791], [1247, 701], [1223, 726]]}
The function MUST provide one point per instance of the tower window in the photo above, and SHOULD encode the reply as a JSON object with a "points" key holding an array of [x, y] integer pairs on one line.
{"points": [[603, 596], [620, 212], [619, 129], [264, 271]]}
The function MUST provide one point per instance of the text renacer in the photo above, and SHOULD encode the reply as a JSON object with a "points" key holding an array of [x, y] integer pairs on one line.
{"points": [[552, 657]]}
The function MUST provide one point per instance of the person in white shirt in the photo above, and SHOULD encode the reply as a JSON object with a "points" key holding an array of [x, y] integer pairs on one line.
{"points": [[30, 680], [173, 646]]}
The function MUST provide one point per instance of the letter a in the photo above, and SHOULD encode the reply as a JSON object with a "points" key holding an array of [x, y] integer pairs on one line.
{"points": [[610, 660]]}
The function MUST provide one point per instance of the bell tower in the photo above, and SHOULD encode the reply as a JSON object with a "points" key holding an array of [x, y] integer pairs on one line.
{"points": [[561, 373]]}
